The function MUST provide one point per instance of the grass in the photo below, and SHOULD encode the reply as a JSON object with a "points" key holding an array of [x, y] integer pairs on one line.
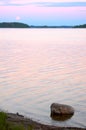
{"points": [[4, 125]]}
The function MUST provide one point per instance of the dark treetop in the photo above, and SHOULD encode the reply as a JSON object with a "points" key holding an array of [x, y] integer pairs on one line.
{"points": [[13, 25], [80, 26]]}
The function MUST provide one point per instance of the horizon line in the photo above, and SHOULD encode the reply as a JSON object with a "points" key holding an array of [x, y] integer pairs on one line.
{"points": [[44, 25]]}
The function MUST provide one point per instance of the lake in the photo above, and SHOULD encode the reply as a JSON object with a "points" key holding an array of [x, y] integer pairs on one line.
{"points": [[42, 66]]}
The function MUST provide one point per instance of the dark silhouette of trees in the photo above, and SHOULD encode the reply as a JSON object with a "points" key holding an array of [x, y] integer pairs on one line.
{"points": [[23, 25], [80, 26], [13, 25]]}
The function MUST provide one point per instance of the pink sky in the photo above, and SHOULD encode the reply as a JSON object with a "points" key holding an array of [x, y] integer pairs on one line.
{"points": [[43, 13]]}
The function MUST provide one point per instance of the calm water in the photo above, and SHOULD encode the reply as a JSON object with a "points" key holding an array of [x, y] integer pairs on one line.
{"points": [[42, 66]]}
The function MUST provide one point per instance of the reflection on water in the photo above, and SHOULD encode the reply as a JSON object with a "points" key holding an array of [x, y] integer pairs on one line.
{"points": [[42, 66], [61, 117]]}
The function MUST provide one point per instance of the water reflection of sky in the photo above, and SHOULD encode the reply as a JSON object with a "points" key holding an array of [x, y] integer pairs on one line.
{"points": [[43, 67]]}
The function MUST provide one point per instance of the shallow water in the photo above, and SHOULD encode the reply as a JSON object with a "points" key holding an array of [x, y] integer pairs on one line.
{"points": [[42, 66]]}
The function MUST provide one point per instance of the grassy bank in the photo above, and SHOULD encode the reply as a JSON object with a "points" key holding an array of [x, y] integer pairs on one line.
{"points": [[5, 125], [11, 121]]}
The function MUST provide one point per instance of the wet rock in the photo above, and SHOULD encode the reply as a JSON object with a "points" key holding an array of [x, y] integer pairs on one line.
{"points": [[61, 111], [61, 117]]}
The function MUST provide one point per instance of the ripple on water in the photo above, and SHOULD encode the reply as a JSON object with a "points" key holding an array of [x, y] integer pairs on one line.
{"points": [[35, 73]]}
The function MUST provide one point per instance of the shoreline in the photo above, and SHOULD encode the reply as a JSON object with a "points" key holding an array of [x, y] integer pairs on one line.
{"points": [[23, 25], [20, 119]]}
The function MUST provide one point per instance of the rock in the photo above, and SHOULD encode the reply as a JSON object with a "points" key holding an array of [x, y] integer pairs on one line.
{"points": [[61, 117], [61, 111]]}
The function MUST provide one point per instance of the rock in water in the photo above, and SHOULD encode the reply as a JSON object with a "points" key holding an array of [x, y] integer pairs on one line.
{"points": [[58, 111]]}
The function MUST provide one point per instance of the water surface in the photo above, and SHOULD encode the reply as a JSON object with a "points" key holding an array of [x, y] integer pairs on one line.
{"points": [[42, 66]]}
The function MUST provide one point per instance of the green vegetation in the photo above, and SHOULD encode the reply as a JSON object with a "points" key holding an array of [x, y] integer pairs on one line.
{"points": [[80, 26], [22, 25], [13, 25], [4, 125]]}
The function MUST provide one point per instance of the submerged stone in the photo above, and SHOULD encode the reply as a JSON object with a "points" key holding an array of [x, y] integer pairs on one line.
{"points": [[61, 111]]}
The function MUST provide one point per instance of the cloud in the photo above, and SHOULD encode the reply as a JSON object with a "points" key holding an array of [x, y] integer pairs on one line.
{"points": [[1, 3], [48, 3], [61, 4]]}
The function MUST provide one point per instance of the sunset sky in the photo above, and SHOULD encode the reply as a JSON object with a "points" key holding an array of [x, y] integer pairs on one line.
{"points": [[43, 12]]}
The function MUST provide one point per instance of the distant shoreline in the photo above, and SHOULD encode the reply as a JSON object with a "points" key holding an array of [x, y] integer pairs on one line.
{"points": [[23, 25]]}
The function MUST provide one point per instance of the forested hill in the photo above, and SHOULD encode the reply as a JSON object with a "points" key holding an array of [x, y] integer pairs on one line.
{"points": [[23, 25], [80, 26], [13, 25]]}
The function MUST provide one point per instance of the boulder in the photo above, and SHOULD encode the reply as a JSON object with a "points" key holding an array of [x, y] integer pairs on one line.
{"points": [[61, 117], [61, 111]]}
